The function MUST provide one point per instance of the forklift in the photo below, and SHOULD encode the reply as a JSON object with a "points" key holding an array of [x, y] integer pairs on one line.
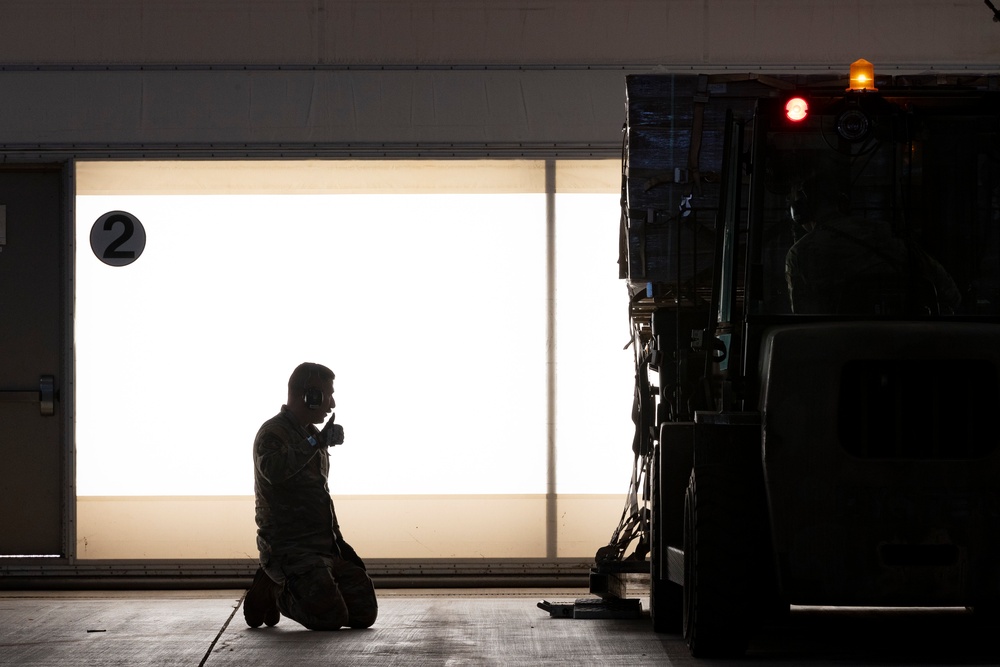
{"points": [[813, 274]]}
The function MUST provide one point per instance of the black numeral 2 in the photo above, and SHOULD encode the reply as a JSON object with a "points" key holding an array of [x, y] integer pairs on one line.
{"points": [[112, 251]]}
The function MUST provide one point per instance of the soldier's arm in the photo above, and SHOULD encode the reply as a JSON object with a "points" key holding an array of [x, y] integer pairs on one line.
{"points": [[277, 460]]}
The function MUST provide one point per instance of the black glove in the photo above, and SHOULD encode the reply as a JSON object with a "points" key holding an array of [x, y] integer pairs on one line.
{"points": [[332, 434], [348, 553]]}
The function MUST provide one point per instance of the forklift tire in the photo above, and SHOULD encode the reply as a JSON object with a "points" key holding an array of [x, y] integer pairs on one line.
{"points": [[718, 570]]}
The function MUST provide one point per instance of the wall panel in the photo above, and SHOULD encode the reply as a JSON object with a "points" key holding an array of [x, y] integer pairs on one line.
{"points": [[317, 110], [392, 526], [496, 32], [483, 76]]}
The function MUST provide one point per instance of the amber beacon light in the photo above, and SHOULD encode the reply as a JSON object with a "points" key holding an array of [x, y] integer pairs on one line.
{"points": [[862, 76]]}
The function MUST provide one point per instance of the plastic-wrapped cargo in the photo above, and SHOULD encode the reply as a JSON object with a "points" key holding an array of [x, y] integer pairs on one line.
{"points": [[672, 158], [662, 175]]}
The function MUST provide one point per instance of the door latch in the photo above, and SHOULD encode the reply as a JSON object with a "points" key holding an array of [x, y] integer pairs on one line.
{"points": [[46, 396]]}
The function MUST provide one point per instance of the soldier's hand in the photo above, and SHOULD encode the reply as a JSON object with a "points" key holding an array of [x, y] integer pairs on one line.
{"points": [[331, 435]]}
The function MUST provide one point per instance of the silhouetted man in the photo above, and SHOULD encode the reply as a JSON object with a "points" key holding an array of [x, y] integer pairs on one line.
{"points": [[308, 572], [850, 265]]}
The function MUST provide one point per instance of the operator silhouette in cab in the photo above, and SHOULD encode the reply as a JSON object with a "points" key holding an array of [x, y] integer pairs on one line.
{"points": [[307, 571], [850, 265]]}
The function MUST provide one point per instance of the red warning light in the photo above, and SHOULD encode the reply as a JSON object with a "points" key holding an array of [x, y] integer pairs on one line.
{"points": [[796, 109]]}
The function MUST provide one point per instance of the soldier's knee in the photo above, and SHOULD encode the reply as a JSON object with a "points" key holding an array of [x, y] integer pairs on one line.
{"points": [[360, 619], [332, 615]]}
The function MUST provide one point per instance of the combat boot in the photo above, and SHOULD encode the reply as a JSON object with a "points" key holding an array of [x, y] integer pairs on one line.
{"points": [[260, 605]]}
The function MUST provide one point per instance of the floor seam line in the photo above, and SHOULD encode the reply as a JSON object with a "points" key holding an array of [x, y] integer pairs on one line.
{"points": [[222, 631]]}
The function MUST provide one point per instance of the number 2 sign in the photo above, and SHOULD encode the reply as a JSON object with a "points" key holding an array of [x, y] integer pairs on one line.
{"points": [[117, 238]]}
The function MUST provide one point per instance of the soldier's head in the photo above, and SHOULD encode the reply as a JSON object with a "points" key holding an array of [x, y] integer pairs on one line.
{"points": [[814, 182], [310, 392], [816, 199]]}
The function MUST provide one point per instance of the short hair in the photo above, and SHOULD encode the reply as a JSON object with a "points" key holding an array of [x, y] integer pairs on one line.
{"points": [[303, 376]]}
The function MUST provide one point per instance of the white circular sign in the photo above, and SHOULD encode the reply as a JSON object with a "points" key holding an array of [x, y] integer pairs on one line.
{"points": [[117, 238]]}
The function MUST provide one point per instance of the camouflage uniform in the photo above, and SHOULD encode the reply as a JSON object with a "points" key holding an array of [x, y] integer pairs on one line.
{"points": [[324, 585]]}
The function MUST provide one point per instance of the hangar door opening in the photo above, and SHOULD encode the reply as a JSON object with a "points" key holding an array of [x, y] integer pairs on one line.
{"points": [[427, 286]]}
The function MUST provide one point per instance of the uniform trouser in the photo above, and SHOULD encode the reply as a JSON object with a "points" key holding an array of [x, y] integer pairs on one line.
{"points": [[323, 591]]}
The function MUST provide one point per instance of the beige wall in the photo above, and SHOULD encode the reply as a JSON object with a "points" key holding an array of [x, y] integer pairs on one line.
{"points": [[404, 526], [231, 177]]}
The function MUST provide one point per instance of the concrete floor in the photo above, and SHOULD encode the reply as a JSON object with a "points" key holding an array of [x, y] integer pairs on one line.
{"points": [[447, 627]]}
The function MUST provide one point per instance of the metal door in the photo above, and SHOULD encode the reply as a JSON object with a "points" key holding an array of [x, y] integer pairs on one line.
{"points": [[34, 456]]}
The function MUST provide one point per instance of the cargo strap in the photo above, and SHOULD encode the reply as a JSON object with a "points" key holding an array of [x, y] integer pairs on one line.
{"points": [[697, 127]]}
